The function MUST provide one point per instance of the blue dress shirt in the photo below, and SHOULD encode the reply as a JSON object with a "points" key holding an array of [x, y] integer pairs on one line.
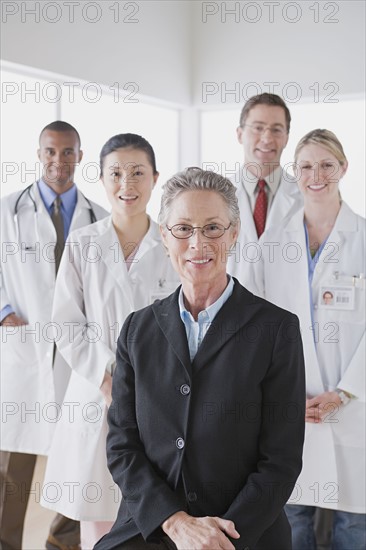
{"points": [[196, 330], [68, 203]]}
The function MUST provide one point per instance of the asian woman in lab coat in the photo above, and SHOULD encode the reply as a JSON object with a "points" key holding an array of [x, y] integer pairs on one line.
{"points": [[314, 265], [109, 269]]}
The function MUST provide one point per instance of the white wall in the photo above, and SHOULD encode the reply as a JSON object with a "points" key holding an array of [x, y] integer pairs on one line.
{"points": [[153, 52], [174, 47], [231, 51]]}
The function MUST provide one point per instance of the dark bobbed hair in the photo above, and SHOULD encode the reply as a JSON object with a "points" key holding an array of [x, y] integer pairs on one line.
{"points": [[123, 141], [272, 100], [60, 126]]}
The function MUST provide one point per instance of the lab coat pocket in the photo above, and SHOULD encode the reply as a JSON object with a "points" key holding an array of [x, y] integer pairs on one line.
{"points": [[357, 315], [88, 406], [19, 346], [19, 365]]}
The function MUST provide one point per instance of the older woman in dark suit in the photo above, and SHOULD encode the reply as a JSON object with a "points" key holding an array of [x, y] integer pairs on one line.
{"points": [[207, 419]]}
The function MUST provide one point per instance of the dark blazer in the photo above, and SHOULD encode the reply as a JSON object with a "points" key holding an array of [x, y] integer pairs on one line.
{"points": [[221, 436]]}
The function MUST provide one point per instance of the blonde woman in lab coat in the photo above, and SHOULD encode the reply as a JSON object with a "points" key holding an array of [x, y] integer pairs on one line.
{"points": [[109, 269], [314, 265]]}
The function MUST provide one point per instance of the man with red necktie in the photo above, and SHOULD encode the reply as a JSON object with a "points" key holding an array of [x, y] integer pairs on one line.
{"points": [[265, 191], [266, 195]]}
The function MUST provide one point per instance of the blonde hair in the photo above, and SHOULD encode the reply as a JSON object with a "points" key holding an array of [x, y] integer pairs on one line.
{"points": [[326, 139]]}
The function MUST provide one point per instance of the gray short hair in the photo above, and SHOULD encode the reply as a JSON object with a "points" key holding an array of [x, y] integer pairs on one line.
{"points": [[196, 179]]}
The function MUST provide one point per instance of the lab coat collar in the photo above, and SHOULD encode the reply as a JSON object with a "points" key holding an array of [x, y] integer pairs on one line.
{"points": [[346, 220], [151, 239], [295, 220], [81, 202], [111, 254], [107, 239], [289, 186], [41, 207], [107, 236]]}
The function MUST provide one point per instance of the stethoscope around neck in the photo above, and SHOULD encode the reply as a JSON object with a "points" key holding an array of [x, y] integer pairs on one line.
{"points": [[28, 190]]}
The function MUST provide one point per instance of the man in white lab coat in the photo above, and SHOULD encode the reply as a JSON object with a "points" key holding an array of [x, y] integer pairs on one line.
{"points": [[266, 193], [34, 225]]}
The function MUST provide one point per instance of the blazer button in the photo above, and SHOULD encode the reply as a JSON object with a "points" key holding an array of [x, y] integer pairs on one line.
{"points": [[185, 389], [180, 443], [192, 496]]}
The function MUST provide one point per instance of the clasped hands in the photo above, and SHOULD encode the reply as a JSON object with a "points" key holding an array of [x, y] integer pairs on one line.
{"points": [[322, 405], [202, 533]]}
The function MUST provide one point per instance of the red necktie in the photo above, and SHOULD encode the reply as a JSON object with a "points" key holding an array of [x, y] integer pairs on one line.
{"points": [[260, 209]]}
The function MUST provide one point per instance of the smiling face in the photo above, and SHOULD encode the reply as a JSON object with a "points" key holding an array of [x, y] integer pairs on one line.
{"points": [[264, 150], [60, 153], [200, 260], [318, 173], [128, 179]]}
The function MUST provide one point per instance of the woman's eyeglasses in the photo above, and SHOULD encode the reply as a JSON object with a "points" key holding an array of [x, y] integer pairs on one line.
{"points": [[185, 231]]}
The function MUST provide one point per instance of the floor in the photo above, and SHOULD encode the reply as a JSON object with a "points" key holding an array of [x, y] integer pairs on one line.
{"points": [[38, 519]]}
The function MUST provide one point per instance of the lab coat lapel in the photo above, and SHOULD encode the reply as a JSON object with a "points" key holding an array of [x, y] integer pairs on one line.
{"points": [[151, 239], [295, 232], [287, 195], [248, 232], [295, 223], [112, 255], [38, 199], [82, 213], [46, 229], [168, 318], [329, 258]]}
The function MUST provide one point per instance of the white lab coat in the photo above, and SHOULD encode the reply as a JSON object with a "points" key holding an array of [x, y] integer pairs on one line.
{"points": [[101, 294], [333, 474], [242, 259], [30, 397]]}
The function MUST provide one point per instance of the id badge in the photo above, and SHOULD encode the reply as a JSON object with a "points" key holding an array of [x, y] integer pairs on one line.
{"points": [[337, 297]]}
